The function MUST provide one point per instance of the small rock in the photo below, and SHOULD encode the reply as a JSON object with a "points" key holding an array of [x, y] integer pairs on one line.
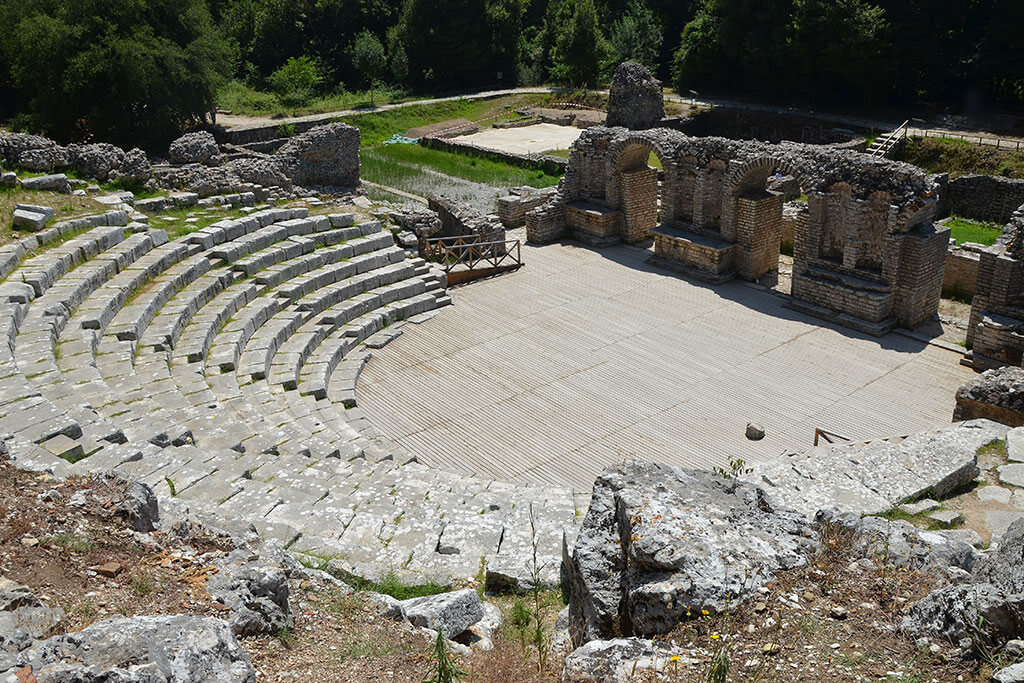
{"points": [[839, 612], [771, 648], [450, 613], [29, 541], [1011, 674], [755, 432], [108, 569], [760, 607]]}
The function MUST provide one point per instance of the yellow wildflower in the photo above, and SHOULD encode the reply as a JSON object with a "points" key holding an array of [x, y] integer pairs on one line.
{"points": [[715, 636], [674, 658], [705, 612]]}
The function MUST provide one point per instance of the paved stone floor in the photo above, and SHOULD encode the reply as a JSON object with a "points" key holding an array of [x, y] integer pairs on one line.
{"points": [[542, 137], [588, 356]]}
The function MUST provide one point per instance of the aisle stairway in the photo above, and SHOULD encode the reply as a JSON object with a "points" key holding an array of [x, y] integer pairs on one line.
{"points": [[220, 368]]}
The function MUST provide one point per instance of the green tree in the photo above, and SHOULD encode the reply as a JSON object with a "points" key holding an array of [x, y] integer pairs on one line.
{"points": [[127, 71], [637, 36], [1002, 51], [580, 48], [368, 58], [838, 49], [296, 80]]}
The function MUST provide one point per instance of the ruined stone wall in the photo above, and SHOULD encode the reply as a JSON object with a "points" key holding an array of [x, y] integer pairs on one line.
{"points": [[982, 197], [864, 248], [962, 264], [551, 165], [995, 333], [512, 209]]}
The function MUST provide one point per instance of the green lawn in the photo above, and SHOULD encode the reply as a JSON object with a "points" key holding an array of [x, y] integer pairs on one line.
{"points": [[376, 127], [238, 98], [966, 230], [396, 165]]}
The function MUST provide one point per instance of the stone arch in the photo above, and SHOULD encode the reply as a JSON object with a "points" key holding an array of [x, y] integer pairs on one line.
{"points": [[629, 183], [752, 218]]}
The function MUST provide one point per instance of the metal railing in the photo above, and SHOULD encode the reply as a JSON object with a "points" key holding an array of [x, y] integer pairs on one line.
{"points": [[828, 436], [886, 143], [465, 257]]}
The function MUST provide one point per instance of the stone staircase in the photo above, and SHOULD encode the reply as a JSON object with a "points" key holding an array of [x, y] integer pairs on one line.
{"points": [[220, 368], [885, 144]]}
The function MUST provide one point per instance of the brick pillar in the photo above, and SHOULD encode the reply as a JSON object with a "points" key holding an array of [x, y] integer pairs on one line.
{"points": [[639, 202], [759, 234]]}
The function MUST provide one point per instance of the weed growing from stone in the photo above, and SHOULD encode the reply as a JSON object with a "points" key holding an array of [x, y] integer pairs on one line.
{"points": [[447, 670]]}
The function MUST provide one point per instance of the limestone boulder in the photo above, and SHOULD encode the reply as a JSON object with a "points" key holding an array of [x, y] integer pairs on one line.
{"points": [[139, 506], [1004, 568], [979, 613], [161, 649], [54, 183], [256, 592], [44, 159], [619, 660], [98, 160], [660, 543], [23, 616], [135, 168], [1010, 674], [900, 544], [194, 148], [449, 613], [325, 155], [635, 98], [263, 172], [13, 145]]}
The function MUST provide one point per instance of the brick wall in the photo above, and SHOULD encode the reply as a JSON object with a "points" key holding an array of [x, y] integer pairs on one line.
{"points": [[962, 269], [639, 200], [759, 232], [513, 208]]}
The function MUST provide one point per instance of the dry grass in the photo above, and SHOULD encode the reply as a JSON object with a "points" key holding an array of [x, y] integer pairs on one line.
{"points": [[65, 205]]}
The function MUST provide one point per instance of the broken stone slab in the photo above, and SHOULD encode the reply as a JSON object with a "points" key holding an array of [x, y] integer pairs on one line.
{"points": [[52, 183], [618, 660], [64, 448], [1012, 474], [481, 634], [659, 543], [968, 536], [448, 613], [999, 521], [140, 507], [994, 494], [176, 649], [926, 505], [514, 573], [946, 518], [47, 211], [28, 220], [872, 479], [901, 544], [8, 179]]}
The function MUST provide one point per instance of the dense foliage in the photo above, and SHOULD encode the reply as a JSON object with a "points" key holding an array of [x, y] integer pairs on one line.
{"points": [[127, 71], [135, 69]]}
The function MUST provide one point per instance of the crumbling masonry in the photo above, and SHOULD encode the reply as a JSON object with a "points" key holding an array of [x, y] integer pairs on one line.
{"points": [[866, 252]]}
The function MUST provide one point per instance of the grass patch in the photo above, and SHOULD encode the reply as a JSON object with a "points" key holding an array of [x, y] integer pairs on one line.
{"points": [[390, 584], [376, 127], [995, 448], [959, 157], [241, 99], [78, 543], [177, 228], [967, 230], [65, 206], [398, 165]]}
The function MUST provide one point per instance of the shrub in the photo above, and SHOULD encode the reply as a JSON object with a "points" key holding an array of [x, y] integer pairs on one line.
{"points": [[296, 81]]}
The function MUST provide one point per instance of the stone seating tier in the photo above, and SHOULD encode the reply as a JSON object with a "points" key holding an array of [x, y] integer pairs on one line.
{"points": [[221, 369]]}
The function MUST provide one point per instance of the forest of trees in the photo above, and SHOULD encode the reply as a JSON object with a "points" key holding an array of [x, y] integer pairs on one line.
{"points": [[138, 70]]}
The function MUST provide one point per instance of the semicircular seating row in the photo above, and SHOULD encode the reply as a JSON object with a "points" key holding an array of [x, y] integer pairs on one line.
{"points": [[220, 369]]}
